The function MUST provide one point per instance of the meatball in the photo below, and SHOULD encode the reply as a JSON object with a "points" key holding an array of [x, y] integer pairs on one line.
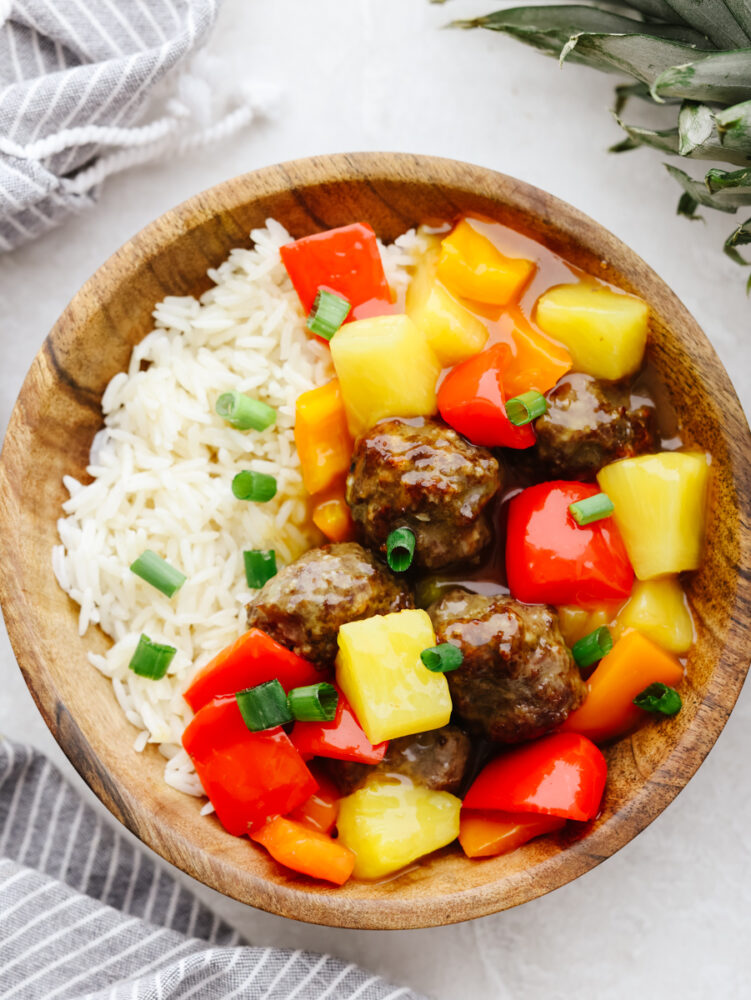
{"points": [[518, 679], [427, 478], [437, 759], [590, 423], [303, 606]]}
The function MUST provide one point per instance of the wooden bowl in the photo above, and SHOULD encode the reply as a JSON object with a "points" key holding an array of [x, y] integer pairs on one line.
{"points": [[58, 413]]}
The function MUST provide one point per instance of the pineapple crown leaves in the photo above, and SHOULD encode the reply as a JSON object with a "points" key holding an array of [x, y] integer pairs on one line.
{"points": [[693, 56]]}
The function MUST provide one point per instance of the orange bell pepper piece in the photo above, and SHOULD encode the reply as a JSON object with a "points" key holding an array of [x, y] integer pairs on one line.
{"points": [[536, 362], [306, 851], [323, 441], [634, 663], [484, 833], [319, 812], [471, 266], [332, 516]]}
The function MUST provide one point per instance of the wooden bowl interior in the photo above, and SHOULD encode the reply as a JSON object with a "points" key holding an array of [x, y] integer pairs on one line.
{"points": [[57, 415]]}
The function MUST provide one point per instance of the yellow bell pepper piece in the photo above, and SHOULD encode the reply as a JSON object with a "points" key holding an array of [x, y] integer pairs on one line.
{"points": [[604, 331], [658, 609], [659, 503], [472, 267], [382, 676], [324, 444], [386, 368], [452, 331], [388, 824]]}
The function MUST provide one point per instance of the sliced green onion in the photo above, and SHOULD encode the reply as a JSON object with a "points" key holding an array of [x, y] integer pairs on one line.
{"points": [[659, 698], [256, 486], [592, 647], [442, 659], [400, 549], [260, 566], [154, 570], [264, 706], [525, 408], [151, 659], [328, 313], [314, 703], [591, 509], [244, 413]]}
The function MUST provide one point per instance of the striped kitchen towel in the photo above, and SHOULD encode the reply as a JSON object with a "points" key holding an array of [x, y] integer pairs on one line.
{"points": [[75, 75], [84, 914]]}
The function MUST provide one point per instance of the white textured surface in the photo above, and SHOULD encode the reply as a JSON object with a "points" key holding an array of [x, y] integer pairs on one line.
{"points": [[668, 916]]}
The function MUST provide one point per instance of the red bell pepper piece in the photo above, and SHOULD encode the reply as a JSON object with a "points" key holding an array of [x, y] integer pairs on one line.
{"points": [[551, 560], [472, 400], [253, 659], [249, 777], [346, 260], [342, 739], [320, 811], [559, 775], [373, 307], [487, 833]]}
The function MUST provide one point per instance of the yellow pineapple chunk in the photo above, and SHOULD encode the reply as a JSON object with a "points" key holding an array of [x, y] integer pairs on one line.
{"points": [[659, 505], [389, 824], [382, 676], [604, 331], [577, 622], [658, 609], [472, 267], [386, 368], [452, 331]]}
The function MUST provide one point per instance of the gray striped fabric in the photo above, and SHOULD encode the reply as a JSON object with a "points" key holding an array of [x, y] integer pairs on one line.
{"points": [[85, 914], [74, 75]]}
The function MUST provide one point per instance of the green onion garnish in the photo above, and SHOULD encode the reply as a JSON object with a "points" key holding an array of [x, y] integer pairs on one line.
{"points": [[441, 659], [400, 549], [244, 413], [592, 647], [260, 566], [328, 313], [154, 570], [151, 659], [591, 509], [314, 703], [659, 698], [264, 706], [256, 486], [524, 409]]}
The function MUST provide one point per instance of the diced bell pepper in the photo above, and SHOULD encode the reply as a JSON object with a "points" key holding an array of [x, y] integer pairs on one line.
{"points": [[388, 824], [306, 851], [577, 622], [319, 812], [560, 775], [551, 560], [634, 663], [471, 266], [332, 515], [534, 361], [324, 444], [380, 671], [660, 508], [604, 331], [386, 368], [341, 739], [249, 777], [485, 833]]}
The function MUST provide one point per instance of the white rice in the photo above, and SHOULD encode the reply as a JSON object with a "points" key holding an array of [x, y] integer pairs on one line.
{"points": [[161, 473]]}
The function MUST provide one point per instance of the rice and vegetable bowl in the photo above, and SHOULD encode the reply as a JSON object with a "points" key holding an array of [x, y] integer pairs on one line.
{"points": [[389, 542]]}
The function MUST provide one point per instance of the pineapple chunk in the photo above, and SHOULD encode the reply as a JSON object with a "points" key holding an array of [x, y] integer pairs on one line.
{"points": [[389, 824], [471, 267], [604, 331], [382, 676], [658, 609], [452, 331], [659, 505], [576, 622], [386, 368]]}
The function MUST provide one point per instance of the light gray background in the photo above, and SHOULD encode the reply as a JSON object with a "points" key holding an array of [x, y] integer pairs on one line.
{"points": [[668, 916]]}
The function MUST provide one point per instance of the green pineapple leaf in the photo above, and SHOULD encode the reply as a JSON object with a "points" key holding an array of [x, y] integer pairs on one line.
{"points": [[722, 77]]}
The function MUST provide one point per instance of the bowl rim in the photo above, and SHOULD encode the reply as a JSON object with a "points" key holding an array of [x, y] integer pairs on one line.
{"points": [[655, 792]]}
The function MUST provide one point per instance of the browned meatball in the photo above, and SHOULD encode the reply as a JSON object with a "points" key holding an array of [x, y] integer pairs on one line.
{"points": [[518, 679], [590, 423], [428, 478], [436, 759], [303, 606]]}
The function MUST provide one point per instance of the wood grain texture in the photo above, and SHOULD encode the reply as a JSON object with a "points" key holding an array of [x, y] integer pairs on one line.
{"points": [[57, 415]]}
